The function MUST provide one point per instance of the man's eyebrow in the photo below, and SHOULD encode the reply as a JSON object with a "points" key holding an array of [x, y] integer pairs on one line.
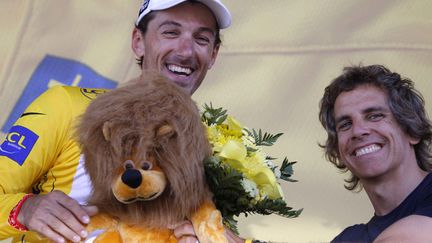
{"points": [[374, 109], [365, 111], [169, 22], [207, 29], [201, 29], [341, 118]]}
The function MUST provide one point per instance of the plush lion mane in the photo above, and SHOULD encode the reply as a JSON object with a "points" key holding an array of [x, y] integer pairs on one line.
{"points": [[136, 111]]}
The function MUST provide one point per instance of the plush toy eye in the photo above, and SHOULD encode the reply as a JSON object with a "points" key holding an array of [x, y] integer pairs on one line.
{"points": [[128, 164], [146, 166]]}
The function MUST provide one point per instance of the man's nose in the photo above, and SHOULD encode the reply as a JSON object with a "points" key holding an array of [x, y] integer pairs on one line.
{"points": [[185, 47], [360, 129]]}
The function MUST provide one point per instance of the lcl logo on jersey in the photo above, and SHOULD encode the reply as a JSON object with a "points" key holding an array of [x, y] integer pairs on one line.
{"points": [[18, 144]]}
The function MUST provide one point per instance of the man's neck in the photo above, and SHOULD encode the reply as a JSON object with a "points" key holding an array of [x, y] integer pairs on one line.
{"points": [[388, 191]]}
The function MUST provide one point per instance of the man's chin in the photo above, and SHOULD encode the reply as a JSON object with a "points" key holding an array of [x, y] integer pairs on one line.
{"points": [[181, 84], [185, 84]]}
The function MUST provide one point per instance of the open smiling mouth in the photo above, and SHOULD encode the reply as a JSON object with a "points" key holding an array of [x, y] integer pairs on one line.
{"points": [[367, 150], [180, 70]]}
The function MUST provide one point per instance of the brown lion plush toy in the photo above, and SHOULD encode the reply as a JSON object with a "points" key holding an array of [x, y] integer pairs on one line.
{"points": [[144, 147]]}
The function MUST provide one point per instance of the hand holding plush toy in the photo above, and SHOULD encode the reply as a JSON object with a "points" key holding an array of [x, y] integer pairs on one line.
{"points": [[144, 147]]}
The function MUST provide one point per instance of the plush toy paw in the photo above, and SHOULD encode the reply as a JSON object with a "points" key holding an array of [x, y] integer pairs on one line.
{"points": [[207, 222]]}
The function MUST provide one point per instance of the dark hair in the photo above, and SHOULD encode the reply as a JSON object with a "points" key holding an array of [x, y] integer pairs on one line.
{"points": [[143, 24], [405, 103]]}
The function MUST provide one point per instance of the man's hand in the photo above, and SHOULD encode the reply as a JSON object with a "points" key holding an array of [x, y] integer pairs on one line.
{"points": [[232, 237], [56, 216], [185, 233]]}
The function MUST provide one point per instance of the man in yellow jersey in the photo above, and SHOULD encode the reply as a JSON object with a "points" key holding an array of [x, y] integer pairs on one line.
{"points": [[43, 183]]}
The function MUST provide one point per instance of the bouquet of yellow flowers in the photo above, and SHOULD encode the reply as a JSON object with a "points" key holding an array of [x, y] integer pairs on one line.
{"points": [[242, 178]]}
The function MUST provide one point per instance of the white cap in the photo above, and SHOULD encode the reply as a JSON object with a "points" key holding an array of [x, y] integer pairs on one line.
{"points": [[223, 16]]}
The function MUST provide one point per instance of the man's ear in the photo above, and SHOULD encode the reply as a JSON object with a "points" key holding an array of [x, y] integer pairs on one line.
{"points": [[165, 131], [138, 43], [106, 130], [414, 141]]}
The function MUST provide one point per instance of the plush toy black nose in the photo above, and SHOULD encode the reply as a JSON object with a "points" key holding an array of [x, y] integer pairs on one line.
{"points": [[132, 178]]}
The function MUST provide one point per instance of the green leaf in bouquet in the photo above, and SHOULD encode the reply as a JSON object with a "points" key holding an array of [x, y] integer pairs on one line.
{"points": [[250, 150], [278, 206], [231, 223], [287, 170], [266, 139], [229, 195], [212, 115]]}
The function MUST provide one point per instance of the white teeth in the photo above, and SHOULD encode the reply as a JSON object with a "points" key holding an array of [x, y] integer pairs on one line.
{"points": [[366, 150], [178, 69]]}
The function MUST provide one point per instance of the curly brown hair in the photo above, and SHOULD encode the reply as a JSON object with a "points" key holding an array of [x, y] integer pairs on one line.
{"points": [[405, 102]]}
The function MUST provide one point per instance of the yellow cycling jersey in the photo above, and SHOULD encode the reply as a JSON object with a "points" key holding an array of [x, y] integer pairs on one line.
{"points": [[40, 153]]}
